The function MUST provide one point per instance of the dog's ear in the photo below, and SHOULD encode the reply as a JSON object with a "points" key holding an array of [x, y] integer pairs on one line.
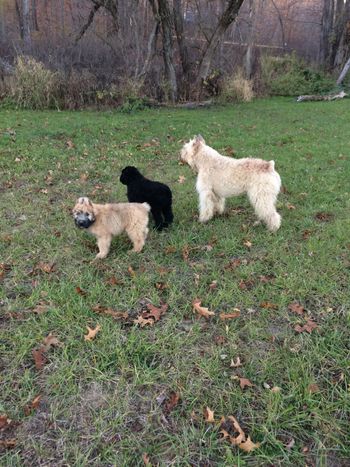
{"points": [[198, 141], [84, 200]]}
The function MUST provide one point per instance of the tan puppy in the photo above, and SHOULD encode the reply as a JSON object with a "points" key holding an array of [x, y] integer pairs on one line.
{"points": [[106, 220], [220, 177]]}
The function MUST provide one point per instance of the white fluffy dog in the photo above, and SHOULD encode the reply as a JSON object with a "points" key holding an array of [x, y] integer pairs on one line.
{"points": [[220, 177]]}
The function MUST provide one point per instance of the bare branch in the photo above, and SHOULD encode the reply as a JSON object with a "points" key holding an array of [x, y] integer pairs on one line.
{"points": [[89, 22]]}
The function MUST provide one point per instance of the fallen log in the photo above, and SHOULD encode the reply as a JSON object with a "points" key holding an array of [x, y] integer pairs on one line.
{"points": [[328, 97]]}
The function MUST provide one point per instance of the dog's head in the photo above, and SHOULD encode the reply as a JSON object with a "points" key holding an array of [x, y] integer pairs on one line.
{"points": [[129, 174], [190, 150], [83, 213]]}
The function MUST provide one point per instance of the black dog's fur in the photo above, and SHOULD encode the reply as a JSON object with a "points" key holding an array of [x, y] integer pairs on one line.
{"points": [[156, 194]]}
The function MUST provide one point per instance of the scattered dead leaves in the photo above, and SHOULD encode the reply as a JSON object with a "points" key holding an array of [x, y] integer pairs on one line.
{"points": [[202, 311], [247, 243], [246, 284], [213, 285], [92, 333], [70, 144], [181, 179], [8, 443], [306, 234], [33, 405], [146, 460], [5, 421], [110, 312], [295, 307], [244, 382], [169, 250], [231, 430], [308, 327], [161, 285]]}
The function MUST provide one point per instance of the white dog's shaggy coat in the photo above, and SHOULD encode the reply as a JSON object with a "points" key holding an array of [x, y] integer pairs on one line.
{"points": [[220, 177]]}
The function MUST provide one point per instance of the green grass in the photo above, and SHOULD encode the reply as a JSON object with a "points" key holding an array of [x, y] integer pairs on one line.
{"points": [[101, 400]]}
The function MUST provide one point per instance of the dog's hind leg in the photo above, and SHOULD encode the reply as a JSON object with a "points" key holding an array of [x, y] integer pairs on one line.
{"points": [[158, 218], [103, 244], [168, 216], [206, 205], [220, 205], [137, 238], [264, 205]]}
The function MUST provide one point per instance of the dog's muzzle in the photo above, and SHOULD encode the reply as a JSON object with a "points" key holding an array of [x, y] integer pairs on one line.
{"points": [[83, 221]]}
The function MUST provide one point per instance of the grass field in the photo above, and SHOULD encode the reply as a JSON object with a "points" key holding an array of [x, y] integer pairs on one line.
{"points": [[134, 392]]}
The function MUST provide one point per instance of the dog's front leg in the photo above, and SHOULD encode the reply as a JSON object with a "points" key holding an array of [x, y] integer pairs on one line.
{"points": [[103, 244], [206, 205]]}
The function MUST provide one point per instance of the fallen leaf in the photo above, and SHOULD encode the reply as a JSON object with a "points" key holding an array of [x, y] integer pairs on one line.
{"points": [[247, 243], [32, 405], [169, 249], [114, 281], [201, 310], [296, 308], [39, 357], [313, 388], [243, 382], [161, 285], [233, 264], [308, 327], [80, 291], [131, 271], [276, 389], [233, 315], [50, 341], [143, 322], [110, 312], [246, 284], [241, 441], [181, 179], [4, 421], [171, 401], [219, 340], [70, 144], [8, 443], [146, 460], [208, 415], [229, 151], [291, 207], [236, 364], [41, 308], [83, 177], [92, 332], [213, 285], [269, 305], [154, 312], [267, 278], [290, 444], [248, 445], [46, 267], [306, 234], [324, 216], [185, 252]]}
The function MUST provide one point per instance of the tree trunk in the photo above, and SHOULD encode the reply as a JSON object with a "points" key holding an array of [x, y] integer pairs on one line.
{"points": [[228, 16], [166, 22], [179, 28], [26, 24], [343, 73], [151, 49], [35, 16]]}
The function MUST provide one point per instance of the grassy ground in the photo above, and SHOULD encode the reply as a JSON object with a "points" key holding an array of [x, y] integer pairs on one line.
{"points": [[109, 401]]}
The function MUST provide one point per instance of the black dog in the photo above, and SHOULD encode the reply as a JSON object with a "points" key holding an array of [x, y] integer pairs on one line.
{"points": [[156, 194]]}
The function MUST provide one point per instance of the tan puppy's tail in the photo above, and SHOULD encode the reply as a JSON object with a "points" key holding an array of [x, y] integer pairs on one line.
{"points": [[147, 206]]}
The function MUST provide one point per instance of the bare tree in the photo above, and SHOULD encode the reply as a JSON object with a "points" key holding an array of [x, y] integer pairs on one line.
{"points": [[26, 24]]}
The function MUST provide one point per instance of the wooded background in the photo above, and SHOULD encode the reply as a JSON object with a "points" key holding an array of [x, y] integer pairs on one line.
{"points": [[172, 43]]}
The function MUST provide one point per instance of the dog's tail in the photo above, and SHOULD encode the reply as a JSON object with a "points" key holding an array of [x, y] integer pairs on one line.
{"points": [[272, 165], [147, 206]]}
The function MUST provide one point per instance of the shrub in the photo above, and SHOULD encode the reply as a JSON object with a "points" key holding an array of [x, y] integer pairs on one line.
{"points": [[290, 76], [33, 86], [78, 89], [237, 88]]}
